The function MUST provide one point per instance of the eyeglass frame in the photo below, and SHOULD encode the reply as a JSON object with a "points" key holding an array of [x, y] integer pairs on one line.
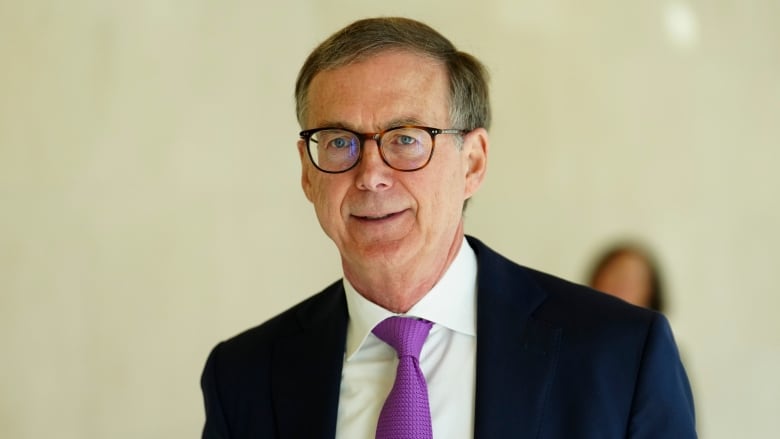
{"points": [[305, 135]]}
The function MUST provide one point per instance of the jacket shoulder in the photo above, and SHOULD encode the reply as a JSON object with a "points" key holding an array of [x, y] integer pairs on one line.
{"points": [[315, 310], [549, 297], [237, 378]]}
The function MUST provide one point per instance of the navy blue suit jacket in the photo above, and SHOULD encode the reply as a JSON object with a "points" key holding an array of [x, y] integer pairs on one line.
{"points": [[554, 360]]}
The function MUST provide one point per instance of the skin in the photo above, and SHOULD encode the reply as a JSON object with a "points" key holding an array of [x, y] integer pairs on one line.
{"points": [[397, 232], [627, 276]]}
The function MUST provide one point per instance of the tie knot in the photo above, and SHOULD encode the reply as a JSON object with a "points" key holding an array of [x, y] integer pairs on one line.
{"points": [[406, 335]]}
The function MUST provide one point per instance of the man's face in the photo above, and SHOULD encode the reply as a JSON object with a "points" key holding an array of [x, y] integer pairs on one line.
{"points": [[379, 217]]}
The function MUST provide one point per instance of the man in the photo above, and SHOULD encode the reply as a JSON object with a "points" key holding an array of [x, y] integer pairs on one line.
{"points": [[395, 141]]}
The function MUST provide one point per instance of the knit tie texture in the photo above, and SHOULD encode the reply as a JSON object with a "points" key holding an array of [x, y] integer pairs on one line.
{"points": [[406, 413]]}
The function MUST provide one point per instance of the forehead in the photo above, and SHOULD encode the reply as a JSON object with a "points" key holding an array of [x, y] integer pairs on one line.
{"points": [[378, 91]]}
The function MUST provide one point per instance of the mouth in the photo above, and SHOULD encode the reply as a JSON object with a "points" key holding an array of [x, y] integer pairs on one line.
{"points": [[377, 217]]}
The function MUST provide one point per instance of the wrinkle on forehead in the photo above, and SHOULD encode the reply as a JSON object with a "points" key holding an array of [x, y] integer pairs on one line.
{"points": [[395, 123], [387, 90]]}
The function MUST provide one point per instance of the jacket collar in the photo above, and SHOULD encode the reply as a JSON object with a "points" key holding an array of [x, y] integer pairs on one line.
{"points": [[516, 356], [306, 368]]}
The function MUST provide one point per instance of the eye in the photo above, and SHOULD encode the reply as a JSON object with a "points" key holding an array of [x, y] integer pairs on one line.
{"points": [[340, 143], [405, 140], [335, 140]]}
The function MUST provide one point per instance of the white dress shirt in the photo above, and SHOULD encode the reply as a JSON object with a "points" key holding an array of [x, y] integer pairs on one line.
{"points": [[448, 358]]}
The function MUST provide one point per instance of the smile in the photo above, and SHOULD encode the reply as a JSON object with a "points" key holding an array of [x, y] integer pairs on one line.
{"points": [[377, 217]]}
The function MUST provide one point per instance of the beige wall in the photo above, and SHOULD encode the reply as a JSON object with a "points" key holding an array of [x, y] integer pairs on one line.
{"points": [[150, 206]]}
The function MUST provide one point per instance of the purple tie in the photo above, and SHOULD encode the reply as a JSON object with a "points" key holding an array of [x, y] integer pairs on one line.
{"points": [[406, 413]]}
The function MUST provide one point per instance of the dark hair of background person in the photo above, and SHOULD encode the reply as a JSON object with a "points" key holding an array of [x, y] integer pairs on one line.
{"points": [[612, 253]]}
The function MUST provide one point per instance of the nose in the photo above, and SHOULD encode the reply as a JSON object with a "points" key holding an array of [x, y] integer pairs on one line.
{"points": [[372, 172]]}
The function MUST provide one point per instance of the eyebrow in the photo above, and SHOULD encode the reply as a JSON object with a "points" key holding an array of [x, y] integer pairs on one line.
{"points": [[398, 122], [328, 124], [403, 121]]}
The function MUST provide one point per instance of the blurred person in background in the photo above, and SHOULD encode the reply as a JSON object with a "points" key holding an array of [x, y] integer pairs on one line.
{"points": [[630, 271]]}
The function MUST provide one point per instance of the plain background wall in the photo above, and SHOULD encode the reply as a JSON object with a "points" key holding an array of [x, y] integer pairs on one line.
{"points": [[150, 202]]}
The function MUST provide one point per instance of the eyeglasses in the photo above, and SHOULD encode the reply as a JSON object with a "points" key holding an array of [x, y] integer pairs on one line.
{"points": [[404, 148]]}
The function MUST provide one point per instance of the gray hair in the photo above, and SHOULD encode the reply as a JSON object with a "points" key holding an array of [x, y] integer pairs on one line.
{"points": [[469, 100]]}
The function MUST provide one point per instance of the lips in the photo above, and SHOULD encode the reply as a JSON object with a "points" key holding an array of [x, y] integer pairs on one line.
{"points": [[371, 217], [377, 216]]}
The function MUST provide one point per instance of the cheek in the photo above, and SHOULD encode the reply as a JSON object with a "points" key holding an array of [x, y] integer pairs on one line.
{"points": [[453, 187], [444, 203], [327, 198]]}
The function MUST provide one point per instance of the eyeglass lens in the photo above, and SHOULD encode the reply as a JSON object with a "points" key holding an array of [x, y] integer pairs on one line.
{"points": [[405, 148]]}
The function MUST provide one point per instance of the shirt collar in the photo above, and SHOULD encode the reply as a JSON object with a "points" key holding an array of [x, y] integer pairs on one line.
{"points": [[450, 303]]}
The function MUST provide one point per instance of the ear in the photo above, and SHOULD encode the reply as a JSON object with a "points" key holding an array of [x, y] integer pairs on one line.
{"points": [[475, 148], [305, 167]]}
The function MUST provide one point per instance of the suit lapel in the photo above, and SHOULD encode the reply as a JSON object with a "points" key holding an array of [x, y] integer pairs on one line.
{"points": [[307, 369], [516, 357], [516, 354]]}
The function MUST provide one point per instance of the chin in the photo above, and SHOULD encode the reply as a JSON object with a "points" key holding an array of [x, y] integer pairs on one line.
{"points": [[385, 249]]}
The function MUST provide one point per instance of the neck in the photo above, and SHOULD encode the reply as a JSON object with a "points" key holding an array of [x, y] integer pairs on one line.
{"points": [[398, 288]]}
